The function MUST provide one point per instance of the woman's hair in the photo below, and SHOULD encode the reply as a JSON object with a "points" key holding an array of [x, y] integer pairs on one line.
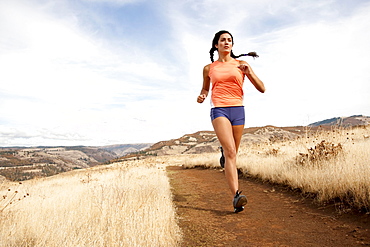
{"points": [[215, 42]]}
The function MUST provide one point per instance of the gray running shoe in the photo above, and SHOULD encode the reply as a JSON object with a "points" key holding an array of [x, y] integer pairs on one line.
{"points": [[222, 159], [239, 202]]}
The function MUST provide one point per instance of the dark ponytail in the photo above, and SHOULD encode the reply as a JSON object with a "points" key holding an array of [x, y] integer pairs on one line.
{"points": [[211, 52], [252, 54], [215, 42]]}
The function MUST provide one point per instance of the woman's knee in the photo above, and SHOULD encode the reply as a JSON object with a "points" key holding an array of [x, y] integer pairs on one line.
{"points": [[230, 152]]}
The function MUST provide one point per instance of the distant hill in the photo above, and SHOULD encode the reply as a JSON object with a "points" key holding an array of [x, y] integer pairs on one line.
{"points": [[22, 163], [123, 149], [206, 141], [354, 120]]}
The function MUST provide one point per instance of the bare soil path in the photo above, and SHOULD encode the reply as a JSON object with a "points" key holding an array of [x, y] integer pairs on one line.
{"points": [[274, 215]]}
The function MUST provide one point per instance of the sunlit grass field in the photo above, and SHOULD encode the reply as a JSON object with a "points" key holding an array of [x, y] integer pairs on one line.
{"points": [[130, 203], [326, 164], [123, 204]]}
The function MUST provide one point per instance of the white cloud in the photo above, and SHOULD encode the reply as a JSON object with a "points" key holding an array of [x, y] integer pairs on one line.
{"points": [[317, 69], [65, 83], [60, 80], [115, 2]]}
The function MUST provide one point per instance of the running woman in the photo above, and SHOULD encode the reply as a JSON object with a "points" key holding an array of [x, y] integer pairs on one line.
{"points": [[226, 76]]}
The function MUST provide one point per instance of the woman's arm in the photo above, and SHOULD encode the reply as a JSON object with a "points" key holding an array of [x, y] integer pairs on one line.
{"points": [[206, 84], [247, 70]]}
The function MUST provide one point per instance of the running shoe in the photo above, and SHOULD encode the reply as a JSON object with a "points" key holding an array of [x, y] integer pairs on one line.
{"points": [[222, 159], [239, 202], [239, 209]]}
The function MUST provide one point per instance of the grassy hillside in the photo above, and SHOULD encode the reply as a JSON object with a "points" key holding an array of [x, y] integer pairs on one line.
{"points": [[123, 204], [329, 165], [21, 163], [130, 203]]}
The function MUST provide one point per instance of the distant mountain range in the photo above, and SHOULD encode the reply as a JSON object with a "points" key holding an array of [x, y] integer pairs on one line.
{"points": [[354, 120], [123, 149], [206, 141], [20, 163]]}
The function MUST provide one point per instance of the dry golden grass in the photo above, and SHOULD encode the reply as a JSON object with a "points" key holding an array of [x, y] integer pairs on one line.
{"points": [[329, 164], [130, 203], [123, 204]]}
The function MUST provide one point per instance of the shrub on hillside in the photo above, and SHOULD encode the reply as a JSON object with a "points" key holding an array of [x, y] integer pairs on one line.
{"points": [[322, 151]]}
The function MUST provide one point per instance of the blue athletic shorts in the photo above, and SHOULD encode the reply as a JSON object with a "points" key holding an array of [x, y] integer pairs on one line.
{"points": [[235, 114]]}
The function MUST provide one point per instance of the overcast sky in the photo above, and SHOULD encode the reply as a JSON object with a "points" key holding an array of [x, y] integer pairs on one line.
{"points": [[100, 72]]}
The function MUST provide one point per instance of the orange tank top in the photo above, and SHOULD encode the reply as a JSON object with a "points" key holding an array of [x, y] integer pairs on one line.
{"points": [[227, 84]]}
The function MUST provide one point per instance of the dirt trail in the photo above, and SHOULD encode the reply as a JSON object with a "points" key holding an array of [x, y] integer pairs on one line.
{"points": [[274, 216]]}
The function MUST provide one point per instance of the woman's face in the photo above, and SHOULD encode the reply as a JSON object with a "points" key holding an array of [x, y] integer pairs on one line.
{"points": [[225, 43]]}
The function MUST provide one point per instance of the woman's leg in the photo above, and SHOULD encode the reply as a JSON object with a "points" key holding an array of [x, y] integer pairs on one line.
{"points": [[229, 137], [238, 132]]}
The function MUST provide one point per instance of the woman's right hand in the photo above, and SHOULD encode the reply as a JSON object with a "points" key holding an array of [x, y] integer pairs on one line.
{"points": [[201, 98]]}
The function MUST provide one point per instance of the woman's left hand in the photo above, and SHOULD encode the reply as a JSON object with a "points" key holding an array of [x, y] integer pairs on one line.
{"points": [[247, 70], [244, 67]]}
